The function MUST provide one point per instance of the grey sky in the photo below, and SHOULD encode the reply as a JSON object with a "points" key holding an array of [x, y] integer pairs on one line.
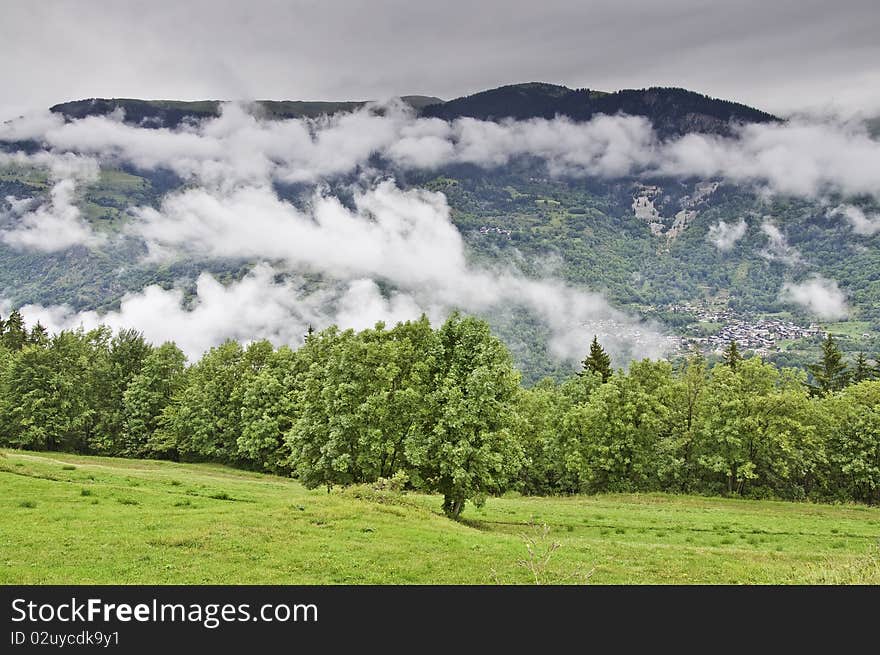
{"points": [[779, 55]]}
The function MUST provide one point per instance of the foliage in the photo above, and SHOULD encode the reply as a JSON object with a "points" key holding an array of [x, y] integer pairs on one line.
{"points": [[831, 373], [597, 362], [443, 411]]}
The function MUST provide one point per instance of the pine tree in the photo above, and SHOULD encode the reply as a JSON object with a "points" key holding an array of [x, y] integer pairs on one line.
{"points": [[831, 373], [597, 361], [15, 336], [731, 355], [863, 370], [39, 335]]}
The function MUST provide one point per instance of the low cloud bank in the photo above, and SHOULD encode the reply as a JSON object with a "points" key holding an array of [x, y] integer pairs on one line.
{"points": [[57, 223], [863, 224], [818, 295], [402, 239], [804, 157]]}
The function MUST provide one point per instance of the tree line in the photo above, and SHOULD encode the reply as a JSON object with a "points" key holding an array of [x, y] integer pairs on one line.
{"points": [[442, 409]]}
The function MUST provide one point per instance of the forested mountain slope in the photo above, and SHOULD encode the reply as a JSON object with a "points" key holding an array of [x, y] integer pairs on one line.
{"points": [[693, 253]]}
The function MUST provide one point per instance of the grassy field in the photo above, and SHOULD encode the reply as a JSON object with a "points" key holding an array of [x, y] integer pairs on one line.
{"points": [[72, 519]]}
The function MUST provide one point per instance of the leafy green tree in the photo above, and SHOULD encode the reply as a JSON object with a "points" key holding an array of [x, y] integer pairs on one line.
{"points": [[757, 417], [854, 443], [598, 361], [465, 448], [203, 421], [360, 398], [50, 395], [688, 403], [552, 461], [121, 357], [147, 395], [621, 427], [268, 411]]}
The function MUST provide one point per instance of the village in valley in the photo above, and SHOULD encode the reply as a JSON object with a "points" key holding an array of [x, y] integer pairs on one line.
{"points": [[711, 331], [722, 325]]}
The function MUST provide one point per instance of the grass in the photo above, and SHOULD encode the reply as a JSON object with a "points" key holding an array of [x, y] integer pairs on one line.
{"points": [[160, 522]]}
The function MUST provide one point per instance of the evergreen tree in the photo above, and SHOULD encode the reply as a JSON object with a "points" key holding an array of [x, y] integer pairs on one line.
{"points": [[862, 371], [831, 373], [15, 336], [39, 335], [731, 355], [597, 361]]}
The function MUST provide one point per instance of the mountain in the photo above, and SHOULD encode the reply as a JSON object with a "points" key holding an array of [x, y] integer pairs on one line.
{"points": [[672, 111], [644, 242], [170, 113]]}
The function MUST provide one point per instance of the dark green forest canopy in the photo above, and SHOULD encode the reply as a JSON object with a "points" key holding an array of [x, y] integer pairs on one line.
{"points": [[442, 410]]}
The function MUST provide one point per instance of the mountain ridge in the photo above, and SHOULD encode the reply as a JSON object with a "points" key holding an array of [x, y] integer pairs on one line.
{"points": [[672, 110]]}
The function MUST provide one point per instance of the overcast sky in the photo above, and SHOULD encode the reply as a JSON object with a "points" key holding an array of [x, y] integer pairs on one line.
{"points": [[779, 55]]}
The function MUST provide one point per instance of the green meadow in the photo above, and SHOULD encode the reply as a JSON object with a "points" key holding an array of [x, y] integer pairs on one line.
{"points": [[68, 519]]}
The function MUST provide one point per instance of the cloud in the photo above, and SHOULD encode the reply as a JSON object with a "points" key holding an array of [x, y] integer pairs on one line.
{"points": [[778, 248], [402, 240], [391, 238], [57, 223], [819, 295], [862, 223], [724, 235], [32, 125], [800, 158], [807, 157]]}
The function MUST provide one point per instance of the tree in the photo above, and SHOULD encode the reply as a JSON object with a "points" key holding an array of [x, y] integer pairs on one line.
{"points": [[122, 358], [854, 443], [597, 361], [862, 370], [731, 355], [50, 395], [146, 396], [620, 428], [830, 373], [15, 336], [203, 421], [688, 404], [464, 447], [361, 396], [759, 416], [39, 335], [268, 411]]}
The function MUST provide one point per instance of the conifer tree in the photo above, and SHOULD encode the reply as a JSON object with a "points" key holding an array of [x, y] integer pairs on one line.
{"points": [[39, 335], [831, 373], [15, 335], [597, 361], [863, 370], [731, 356]]}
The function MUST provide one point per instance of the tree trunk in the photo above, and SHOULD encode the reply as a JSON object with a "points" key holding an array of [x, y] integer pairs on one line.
{"points": [[453, 506]]}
